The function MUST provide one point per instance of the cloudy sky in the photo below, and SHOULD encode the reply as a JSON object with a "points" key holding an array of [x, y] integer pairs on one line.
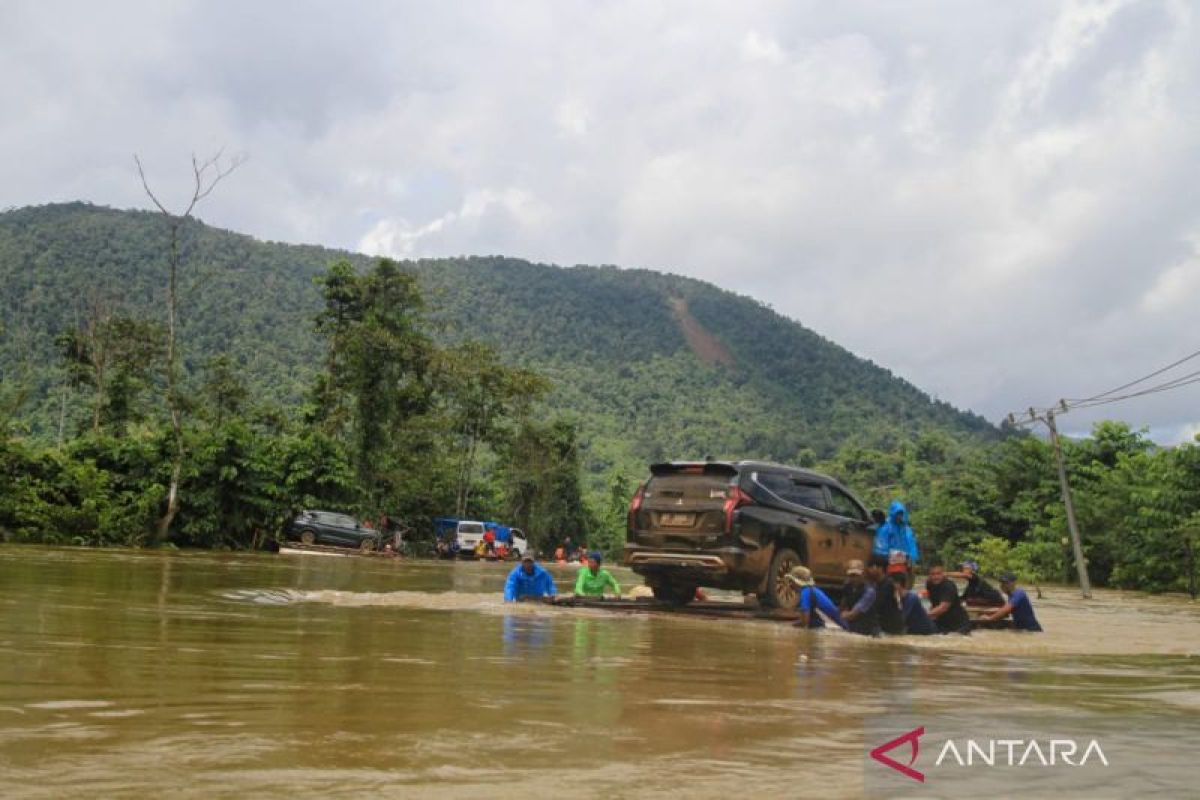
{"points": [[998, 201]]}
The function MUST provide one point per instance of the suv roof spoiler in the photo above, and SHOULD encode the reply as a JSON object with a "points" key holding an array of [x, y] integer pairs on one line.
{"points": [[693, 467]]}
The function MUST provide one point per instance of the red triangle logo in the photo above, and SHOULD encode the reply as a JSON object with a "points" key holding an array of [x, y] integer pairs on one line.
{"points": [[912, 738]]}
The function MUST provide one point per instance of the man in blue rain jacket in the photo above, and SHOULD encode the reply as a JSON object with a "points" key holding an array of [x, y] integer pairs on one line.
{"points": [[528, 580], [896, 535]]}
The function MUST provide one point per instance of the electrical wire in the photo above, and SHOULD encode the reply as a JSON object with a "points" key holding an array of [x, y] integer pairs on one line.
{"points": [[1124, 386], [1183, 380], [1105, 398]]}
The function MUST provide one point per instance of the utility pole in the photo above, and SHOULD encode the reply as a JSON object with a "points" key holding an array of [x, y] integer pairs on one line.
{"points": [[1085, 583]]}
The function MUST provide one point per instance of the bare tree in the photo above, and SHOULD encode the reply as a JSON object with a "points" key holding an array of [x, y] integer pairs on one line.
{"points": [[205, 177]]}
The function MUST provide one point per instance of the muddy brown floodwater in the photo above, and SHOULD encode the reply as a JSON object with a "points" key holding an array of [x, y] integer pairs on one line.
{"points": [[254, 675]]}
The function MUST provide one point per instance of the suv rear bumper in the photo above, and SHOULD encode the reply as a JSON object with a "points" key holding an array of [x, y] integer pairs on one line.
{"points": [[659, 558], [722, 567]]}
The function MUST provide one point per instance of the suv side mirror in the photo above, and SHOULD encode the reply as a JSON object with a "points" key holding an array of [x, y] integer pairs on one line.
{"points": [[878, 517]]}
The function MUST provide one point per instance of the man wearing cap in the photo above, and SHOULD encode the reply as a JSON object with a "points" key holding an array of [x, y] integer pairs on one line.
{"points": [[887, 602], [812, 600], [593, 579], [861, 596], [529, 580], [1018, 605], [978, 592]]}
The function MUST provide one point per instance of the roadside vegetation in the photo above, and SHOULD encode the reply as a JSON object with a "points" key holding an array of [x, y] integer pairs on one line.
{"points": [[393, 424]]}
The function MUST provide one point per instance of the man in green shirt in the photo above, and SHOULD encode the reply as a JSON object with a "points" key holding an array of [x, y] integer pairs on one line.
{"points": [[593, 580]]}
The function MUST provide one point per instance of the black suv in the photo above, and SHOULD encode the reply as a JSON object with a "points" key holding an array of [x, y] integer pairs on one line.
{"points": [[332, 528], [742, 525]]}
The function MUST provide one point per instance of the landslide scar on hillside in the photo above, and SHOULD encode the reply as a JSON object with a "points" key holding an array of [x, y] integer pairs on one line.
{"points": [[707, 347]]}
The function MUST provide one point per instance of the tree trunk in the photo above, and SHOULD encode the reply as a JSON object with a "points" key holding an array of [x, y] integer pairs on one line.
{"points": [[163, 529]]}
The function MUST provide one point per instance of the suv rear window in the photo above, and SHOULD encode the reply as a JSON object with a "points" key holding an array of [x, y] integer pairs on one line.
{"points": [[470, 528], [688, 487]]}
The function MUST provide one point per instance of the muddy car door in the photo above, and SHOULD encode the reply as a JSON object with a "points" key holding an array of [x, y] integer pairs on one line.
{"points": [[807, 512], [853, 526]]}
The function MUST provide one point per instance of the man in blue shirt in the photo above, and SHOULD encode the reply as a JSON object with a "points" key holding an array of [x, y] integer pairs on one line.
{"points": [[1018, 606], [812, 600], [916, 619], [858, 601], [529, 580]]}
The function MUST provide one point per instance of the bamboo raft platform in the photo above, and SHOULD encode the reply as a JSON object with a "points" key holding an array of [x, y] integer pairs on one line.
{"points": [[712, 609]]}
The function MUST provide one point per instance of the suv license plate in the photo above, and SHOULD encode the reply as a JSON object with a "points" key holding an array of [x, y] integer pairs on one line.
{"points": [[677, 520]]}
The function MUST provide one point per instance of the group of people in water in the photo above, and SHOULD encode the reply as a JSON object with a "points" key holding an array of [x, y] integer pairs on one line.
{"points": [[531, 580], [877, 598]]}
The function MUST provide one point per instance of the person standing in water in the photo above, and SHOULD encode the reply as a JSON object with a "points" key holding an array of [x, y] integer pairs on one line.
{"points": [[857, 599], [529, 581], [916, 619], [946, 608], [593, 579], [979, 593], [1018, 605], [895, 536], [812, 600]]}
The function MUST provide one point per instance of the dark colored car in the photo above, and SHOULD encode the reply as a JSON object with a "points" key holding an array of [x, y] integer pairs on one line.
{"points": [[332, 528], [742, 525]]}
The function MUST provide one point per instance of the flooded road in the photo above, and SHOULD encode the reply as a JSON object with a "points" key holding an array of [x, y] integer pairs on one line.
{"points": [[257, 675]]}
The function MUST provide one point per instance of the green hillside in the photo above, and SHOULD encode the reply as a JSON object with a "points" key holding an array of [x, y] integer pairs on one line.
{"points": [[652, 366]]}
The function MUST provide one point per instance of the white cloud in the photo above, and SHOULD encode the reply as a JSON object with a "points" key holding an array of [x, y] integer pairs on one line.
{"points": [[516, 212], [760, 47], [572, 117], [1175, 286]]}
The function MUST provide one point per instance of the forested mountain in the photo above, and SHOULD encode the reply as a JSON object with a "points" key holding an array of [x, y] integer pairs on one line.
{"points": [[653, 366]]}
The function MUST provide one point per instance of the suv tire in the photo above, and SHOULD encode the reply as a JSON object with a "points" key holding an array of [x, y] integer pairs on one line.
{"points": [[674, 594], [780, 593], [308, 537]]}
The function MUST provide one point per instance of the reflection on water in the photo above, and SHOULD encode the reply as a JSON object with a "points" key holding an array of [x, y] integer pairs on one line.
{"points": [[258, 675]]}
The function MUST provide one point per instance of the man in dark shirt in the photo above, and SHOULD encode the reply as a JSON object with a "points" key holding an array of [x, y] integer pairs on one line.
{"points": [[916, 619], [1023, 618], [945, 607], [979, 592], [887, 601]]}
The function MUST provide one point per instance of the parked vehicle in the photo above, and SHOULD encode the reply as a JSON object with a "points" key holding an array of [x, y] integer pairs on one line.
{"points": [[742, 525], [332, 528], [464, 535], [468, 533]]}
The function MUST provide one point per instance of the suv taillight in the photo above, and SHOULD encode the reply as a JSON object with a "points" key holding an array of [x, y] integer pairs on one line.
{"points": [[736, 499], [635, 505]]}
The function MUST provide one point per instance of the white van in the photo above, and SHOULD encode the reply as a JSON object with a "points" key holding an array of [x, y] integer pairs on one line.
{"points": [[469, 532]]}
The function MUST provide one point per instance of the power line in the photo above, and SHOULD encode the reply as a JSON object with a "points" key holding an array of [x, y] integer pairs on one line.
{"points": [[1174, 383], [1144, 378]]}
